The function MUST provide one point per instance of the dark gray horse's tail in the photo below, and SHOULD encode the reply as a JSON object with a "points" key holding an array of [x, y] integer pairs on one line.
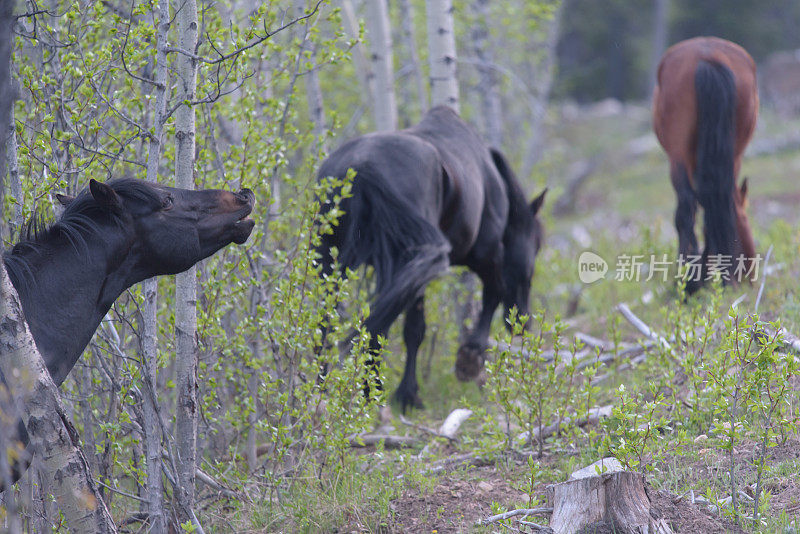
{"points": [[386, 231]]}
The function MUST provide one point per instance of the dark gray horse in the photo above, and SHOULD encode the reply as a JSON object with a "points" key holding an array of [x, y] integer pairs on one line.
{"points": [[110, 237], [424, 198]]}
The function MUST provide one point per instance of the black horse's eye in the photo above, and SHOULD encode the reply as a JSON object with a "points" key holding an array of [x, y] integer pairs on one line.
{"points": [[167, 202]]}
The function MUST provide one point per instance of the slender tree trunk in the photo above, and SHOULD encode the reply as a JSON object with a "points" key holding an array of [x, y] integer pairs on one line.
{"points": [[659, 42], [542, 80], [8, 161], [407, 16], [186, 283], [491, 106], [149, 349], [316, 105], [380, 43], [15, 185], [442, 56], [363, 70], [53, 438]]}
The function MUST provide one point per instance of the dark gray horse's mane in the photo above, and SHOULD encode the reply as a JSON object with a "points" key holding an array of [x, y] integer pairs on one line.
{"points": [[75, 224], [517, 203]]}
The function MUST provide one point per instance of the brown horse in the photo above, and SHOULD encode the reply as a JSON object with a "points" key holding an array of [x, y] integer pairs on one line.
{"points": [[704, 112]]}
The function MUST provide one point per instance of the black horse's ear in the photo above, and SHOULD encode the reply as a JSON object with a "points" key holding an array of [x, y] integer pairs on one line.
{"points": [[104, 195], [64, 200], [537, 202]]}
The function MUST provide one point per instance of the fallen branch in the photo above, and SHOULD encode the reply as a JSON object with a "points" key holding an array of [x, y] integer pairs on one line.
{"points": [[453, 422], [594, 342], [389, 441], [641, 326], [419, 427], [578, 174], [524, 512], [594, 416], [789, 340], [763, 279], [214, 484], [455, 462]]}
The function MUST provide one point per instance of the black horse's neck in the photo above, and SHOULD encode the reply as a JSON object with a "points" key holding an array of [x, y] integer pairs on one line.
{"points": [[66, 289]]}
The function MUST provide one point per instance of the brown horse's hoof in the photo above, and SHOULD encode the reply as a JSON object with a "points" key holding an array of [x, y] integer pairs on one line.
{"points": [[469, 364]]}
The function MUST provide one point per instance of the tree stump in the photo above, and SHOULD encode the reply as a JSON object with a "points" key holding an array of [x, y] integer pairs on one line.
{"points": [[613, 502]]}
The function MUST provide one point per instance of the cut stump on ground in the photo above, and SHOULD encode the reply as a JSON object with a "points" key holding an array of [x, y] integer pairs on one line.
{"points": [[614, 501]]}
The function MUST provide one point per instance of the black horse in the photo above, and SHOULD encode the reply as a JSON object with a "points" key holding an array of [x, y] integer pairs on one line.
{"points": [[422, 199], [109, 237]]}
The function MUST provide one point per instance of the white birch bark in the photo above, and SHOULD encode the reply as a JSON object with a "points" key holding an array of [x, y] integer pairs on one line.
{"points": [[154, 493], [491, 106], [316, 104], [186, 283], [541, 79], [314, 99], [363, 70], [53, 438], [442, 56], [12, 164], [410, 41], [384, 104], [659, 41]]}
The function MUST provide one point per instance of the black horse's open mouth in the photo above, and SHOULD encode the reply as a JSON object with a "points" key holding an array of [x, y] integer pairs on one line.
{"points": [[243, 227]]}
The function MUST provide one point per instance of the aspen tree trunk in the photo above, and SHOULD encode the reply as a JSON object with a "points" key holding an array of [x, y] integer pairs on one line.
{"points": [[442, 56], [384, 104], [363, 70], [407, 16], [316, 104], [15, 185], [314, 99], [186, 283], [542, 80], [53, 438], [659, 41], [491, 106], [12, 521], [154, 494], [7, 97]]}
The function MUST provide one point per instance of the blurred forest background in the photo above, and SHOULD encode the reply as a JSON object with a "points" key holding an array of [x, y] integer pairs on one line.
{"points": [[563, 88], [611, 49]]}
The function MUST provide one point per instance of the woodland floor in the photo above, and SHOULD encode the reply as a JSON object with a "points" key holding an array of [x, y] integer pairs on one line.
{"points": [[611, 210]]}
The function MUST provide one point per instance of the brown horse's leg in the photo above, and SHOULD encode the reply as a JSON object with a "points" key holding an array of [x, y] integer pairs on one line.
{"points": [[685, 215]]}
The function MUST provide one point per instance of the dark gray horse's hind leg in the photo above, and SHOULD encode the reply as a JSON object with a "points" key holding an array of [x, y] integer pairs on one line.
{"points": [[407, 393]]}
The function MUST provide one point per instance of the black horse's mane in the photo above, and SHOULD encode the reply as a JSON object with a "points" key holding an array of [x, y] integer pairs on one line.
{"points": [[76, 223]]}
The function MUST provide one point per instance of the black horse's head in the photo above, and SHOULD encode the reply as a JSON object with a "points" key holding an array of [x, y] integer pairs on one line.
{"points": [[166, 229], [522, 241]]}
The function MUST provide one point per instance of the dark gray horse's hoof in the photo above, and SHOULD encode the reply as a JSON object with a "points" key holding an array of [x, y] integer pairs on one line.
{"points": [[408, 398], [469, 363]]}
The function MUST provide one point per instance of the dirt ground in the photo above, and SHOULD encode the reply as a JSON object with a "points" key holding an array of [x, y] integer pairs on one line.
{"points": [[461, 498]]}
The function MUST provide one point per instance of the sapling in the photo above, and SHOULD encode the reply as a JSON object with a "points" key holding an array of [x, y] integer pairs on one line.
{"points": [[770, 383], [527, 386], [634, 427]]}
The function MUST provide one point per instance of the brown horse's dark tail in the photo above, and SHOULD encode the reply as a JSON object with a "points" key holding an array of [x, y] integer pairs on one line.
{"points": [[715, 88]]}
